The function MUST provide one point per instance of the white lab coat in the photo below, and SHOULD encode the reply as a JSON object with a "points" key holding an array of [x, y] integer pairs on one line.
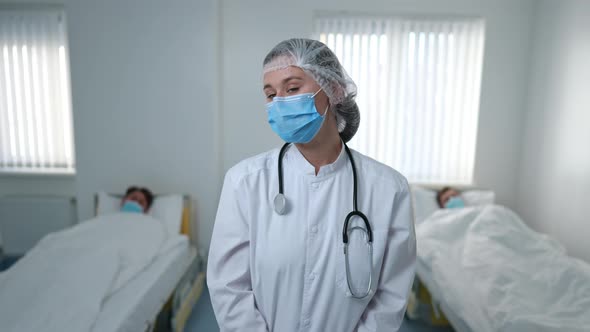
{"points": [[282, 273]]}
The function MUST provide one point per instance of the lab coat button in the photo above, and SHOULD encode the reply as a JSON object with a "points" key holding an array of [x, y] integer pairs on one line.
{"points": [[315, 185], [306, 322], [311, 276], [314, 229]]}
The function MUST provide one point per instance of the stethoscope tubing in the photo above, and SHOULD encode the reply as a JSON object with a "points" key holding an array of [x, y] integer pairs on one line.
{"points": [[280, 208]]}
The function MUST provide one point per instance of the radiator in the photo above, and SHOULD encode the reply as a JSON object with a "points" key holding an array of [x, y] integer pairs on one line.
{"points": [[24, 220]]}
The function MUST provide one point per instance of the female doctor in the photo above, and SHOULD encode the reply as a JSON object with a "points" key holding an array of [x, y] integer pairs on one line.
{"points": [[314, 236]]}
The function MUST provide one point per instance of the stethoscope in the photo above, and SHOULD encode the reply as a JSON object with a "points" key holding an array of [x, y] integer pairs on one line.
{"points": [[280, 203]]}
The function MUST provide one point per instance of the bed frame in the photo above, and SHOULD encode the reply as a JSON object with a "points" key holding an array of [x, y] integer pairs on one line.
{"points": [[175, 312]]}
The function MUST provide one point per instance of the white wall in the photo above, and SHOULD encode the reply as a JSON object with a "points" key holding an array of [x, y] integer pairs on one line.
{"points": [[144, 94], [554, 193], [144, 91], [37, 185], [252, 28], [32, 186]]}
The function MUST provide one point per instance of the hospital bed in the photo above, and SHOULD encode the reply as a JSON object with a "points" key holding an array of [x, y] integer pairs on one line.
{"points": [[493, 255], [161, 297], [426, 302], [115, 272]]}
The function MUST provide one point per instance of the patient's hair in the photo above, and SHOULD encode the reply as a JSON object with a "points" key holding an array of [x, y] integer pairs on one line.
{"points": [[440, 193], [149, 196]]}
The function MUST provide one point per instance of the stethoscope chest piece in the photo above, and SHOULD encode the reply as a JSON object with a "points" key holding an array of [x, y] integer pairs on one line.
{"points": [[280, 203]]}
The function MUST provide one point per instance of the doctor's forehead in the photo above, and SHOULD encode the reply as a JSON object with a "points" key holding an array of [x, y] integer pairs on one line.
{"points": [[277, 77]]}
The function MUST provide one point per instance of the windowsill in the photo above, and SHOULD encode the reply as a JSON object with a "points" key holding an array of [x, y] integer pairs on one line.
{"points": [[36, 174]]}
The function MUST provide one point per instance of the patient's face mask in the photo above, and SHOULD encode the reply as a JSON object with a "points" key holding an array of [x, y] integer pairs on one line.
{"points": [[455, 202], [295, 118], [132, 206]]}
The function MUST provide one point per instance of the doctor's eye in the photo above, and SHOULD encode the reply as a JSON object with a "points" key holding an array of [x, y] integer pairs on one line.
{"points": [[291, 90], [271, 96]]}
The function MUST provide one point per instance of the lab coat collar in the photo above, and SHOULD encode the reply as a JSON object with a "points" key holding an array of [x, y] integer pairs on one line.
{"points": [[295, 156]]}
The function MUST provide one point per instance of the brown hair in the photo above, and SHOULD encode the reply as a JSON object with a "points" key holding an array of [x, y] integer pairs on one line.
{"points": [[439, 195], [149, 196]]}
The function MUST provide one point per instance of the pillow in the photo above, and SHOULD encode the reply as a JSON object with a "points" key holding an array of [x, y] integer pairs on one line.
{"points": [[166, 208], [478, 197], [424, 202], [107, 204]]}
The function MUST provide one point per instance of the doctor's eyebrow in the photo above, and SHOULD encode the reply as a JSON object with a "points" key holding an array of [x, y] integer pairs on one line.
{"points": [[284, 81]]}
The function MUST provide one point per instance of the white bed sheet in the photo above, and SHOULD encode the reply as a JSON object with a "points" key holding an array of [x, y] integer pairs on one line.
{"points": [[136, 305], [62, 283], [425, 274], [498, 275]]}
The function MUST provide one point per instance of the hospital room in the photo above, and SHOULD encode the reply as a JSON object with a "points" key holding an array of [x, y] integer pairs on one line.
{"points": [[277, 166]]}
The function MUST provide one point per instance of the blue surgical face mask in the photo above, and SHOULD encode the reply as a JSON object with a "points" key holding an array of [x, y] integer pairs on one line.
{"points": [[295, 118], [132, 206], [455, 202]]}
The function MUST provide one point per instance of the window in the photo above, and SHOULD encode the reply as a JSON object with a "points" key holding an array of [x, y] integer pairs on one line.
{"points": [[418, 90], [36, 133]]}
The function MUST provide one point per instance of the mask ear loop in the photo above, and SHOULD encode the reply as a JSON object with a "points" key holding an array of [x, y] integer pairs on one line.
{"points": [[327, 107], [316, 93]]}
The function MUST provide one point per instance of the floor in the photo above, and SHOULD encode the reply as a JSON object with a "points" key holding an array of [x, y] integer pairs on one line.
{"points": [[202, 317], [203, 320]]}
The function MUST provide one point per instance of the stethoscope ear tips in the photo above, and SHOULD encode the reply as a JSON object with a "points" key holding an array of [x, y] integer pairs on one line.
{"points": [[280, 203]]}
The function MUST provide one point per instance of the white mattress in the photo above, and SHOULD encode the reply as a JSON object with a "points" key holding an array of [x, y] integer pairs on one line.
{"points": [[136, 305], [425, 275]]}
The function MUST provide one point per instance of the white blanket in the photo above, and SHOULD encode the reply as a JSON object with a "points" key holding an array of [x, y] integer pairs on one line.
{"points": [[499, 275], [62, 282]]}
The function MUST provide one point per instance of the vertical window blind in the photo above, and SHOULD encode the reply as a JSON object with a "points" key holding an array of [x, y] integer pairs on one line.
{"points": [[418, 90], [35, 104]]}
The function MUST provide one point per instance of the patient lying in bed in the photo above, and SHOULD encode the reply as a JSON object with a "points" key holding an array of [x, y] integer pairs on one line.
{"points": [[449, 198], [498, 275], [137, 200], [62, 283]]}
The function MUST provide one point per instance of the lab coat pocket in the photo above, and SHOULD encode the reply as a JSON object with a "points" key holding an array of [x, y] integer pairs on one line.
{"points": [[357, 274]]}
